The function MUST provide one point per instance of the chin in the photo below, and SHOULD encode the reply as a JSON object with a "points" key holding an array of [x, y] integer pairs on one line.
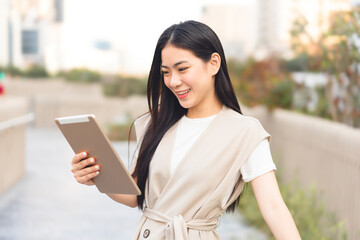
{"points": [[185, 105]]}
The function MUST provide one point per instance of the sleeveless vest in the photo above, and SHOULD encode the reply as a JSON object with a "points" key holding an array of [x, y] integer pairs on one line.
{"points": [[188, 203]]}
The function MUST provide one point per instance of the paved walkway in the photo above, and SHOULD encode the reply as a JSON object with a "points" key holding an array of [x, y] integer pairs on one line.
{"points": [[48, 203]]}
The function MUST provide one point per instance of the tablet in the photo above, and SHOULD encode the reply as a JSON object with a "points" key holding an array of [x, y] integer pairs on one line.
{"points": [[84, 134]]}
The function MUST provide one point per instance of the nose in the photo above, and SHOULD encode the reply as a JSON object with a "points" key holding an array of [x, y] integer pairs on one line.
{"points": [[175, 81]]}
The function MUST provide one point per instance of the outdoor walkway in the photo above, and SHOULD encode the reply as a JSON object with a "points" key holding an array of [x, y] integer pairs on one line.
{"points": [[49, 204]]}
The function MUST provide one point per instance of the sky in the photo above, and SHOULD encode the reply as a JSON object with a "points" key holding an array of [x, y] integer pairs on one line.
{"points": [[133, 26]]}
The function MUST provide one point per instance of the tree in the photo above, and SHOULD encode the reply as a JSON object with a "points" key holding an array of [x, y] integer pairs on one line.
{"points": [[336, 52]]}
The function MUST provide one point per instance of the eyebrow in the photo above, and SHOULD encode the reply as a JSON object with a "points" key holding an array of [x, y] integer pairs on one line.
{"points": [[176, 64]]}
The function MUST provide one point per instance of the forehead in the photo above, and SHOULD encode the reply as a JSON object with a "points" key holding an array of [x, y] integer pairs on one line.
{"points": [[172, 54]]}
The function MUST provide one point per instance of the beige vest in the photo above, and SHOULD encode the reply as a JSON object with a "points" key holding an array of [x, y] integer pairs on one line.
{"points": [[188, 203]]}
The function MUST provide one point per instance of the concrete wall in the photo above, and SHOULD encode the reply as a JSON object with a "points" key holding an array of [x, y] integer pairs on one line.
{"points": [[321, 152], [12, 142], [53, 98], [47, 108]]}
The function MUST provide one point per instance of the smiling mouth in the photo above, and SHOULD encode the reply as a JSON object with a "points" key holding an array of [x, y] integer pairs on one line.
{"points": [[183, 92]]}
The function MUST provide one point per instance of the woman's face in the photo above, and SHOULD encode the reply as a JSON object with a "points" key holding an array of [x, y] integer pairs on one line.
{"points": [[191, 79]]}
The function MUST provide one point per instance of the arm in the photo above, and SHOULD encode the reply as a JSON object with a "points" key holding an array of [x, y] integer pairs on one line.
{"points": [[273, 208], [128, 200]]}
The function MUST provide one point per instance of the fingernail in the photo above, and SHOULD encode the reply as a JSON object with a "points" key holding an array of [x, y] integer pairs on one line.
{"points": [[96, 167], [92, 160], [97, 172], [84, 154]]}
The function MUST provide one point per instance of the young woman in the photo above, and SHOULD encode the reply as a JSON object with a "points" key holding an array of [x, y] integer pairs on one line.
{"points": [[196, 149]]}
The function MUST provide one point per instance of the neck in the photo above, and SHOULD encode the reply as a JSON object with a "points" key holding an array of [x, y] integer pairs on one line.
{"points": [[205, 111]]}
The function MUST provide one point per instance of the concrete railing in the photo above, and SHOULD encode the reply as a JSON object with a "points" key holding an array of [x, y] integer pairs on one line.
{"points": [[321, 152], [13, 118], [47, 108], [53, 98]]}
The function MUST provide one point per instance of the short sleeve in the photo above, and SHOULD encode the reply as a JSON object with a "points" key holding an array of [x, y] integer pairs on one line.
{"points": [[259, 162]]}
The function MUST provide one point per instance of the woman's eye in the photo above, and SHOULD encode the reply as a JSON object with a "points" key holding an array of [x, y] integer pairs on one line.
{"points": [[182, 69], [165, 72]]}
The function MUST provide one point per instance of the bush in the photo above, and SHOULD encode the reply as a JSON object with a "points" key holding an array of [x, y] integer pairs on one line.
{"points": [[119, 128], [81, 75], [125, 86], [311, 217], [298, 64], [36, 71], [13, 71], [281, 94], [119, 132]]}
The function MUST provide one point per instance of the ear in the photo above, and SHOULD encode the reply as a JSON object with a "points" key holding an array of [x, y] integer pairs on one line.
{"points": [[214, 63]]}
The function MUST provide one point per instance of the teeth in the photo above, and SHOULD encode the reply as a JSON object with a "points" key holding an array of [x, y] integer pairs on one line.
{"points": [[183, 92]]}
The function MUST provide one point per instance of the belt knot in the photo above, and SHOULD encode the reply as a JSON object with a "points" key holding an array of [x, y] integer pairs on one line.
{"points": [[176, 227]]}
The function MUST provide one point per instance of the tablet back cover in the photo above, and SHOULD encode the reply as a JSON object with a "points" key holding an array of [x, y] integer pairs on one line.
{"points": [[88, 136]]}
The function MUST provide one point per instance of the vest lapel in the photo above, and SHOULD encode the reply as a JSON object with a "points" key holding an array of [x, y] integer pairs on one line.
{"points": [[160, 175]]}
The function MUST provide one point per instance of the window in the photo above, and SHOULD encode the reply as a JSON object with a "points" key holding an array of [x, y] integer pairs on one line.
{"points": [[30, 42]]}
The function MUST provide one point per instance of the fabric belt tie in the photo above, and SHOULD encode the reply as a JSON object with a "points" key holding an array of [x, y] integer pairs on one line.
{"points": [[176, 227]]}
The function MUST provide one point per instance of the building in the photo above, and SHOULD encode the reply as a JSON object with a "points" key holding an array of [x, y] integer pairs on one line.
{"points": [[42, 32], [276, 18], [235, 27], [261, 28]]}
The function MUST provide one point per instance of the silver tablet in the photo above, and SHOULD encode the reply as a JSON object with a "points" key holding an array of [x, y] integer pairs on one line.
{"points": [[84, 134]]}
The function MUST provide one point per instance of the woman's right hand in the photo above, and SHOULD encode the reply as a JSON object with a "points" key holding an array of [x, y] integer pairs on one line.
{"points": [[84, 168]]}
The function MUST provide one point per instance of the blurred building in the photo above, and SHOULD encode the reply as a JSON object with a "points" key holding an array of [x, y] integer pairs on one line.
{"points": [[235, 27], [277, 16], [261, 28], [40, 32], [27, 26]]}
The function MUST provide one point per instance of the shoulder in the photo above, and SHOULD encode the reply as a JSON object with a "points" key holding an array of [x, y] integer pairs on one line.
{"points": [[142, 119], [239, 119], [241, 124]]}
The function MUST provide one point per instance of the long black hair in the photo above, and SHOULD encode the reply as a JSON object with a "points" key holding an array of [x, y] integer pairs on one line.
{"points": [[165, 110]]}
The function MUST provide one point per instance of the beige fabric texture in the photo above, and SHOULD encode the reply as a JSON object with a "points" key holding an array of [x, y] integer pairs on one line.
{"points": [[188, 203]]}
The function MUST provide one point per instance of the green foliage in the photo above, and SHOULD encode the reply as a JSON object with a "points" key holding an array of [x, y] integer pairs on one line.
{"points": [[281, 94], [322, 106], [310, 215], [81, 75], [298, 63], [36, 71], [335, 52], [13, 71], [262, 82], [119, 131], [125, 86]]}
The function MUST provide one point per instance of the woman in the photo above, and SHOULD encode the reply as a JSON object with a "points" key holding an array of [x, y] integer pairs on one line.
{"points": [[196, 149]]}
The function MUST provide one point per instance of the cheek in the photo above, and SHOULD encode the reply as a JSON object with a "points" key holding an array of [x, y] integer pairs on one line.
{"points": [[167, 83]]}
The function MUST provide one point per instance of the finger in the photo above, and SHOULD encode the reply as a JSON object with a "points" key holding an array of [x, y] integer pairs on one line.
{"points": [[78, 157], [89, 183], [88, 177], [85, 171], [83, 164]]}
